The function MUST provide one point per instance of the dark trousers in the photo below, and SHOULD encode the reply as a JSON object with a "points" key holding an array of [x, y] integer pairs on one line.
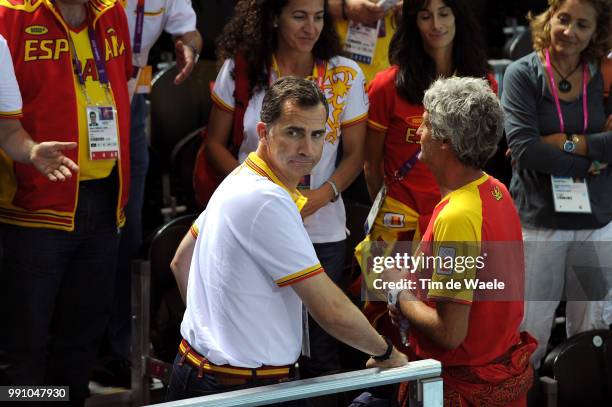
{"points": [[184, 383], [116, 345], [324, 349], [56, 294]]}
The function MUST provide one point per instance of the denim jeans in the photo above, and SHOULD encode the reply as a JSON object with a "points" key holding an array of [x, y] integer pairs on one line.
{"points": [[56, 294], [324, 349], [117, 341], [184, 383]]}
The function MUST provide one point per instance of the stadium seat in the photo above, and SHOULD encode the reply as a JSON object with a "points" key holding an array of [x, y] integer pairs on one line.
{"points": [[177, 111], [581, 368], [157, 309]]}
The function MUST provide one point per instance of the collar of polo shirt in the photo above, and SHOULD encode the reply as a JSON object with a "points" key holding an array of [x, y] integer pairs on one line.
{"points": [[258, 165]]}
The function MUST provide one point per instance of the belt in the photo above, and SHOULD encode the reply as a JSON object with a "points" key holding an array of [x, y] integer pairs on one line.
{"points": [[227, 374]]}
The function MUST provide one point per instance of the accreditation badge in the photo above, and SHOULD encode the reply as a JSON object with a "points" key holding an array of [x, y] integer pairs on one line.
{"points": [[570, 194], [361, 41], [102, 133]]}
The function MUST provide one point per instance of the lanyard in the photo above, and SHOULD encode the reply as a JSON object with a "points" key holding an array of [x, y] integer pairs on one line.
{"points": [[140, 12], [100, 67], [318, 73], [400, 173], [553, 85]]}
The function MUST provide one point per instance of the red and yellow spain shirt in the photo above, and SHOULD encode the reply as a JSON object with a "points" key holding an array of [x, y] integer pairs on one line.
{"points": [[478, 219], [53, 107], [397, 121]]}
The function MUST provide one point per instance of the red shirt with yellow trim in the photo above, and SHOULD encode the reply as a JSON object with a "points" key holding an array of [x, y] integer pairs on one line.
{"points": [[251, 245], [397, 121], [53, 104], [478, 219], [413, 198]]}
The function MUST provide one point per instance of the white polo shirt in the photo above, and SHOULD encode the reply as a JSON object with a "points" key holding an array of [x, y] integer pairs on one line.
{"points": [[251, 246], [10, 98], [176, 17], [343, 84]]}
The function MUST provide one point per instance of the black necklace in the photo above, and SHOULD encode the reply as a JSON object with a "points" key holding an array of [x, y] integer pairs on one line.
{"points": [[564, 85]]}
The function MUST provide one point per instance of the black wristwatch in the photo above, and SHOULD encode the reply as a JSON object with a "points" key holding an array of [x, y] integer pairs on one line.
{"points": [[387, 353]]}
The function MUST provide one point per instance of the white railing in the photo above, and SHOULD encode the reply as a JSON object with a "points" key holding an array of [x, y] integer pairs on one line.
{"points": [[424, 375]]}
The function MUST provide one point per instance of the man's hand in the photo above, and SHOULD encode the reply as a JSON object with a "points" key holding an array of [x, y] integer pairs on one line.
{"points": [[363, 11], [396, 359], [185, 61], [47, 158], [317, 198]]}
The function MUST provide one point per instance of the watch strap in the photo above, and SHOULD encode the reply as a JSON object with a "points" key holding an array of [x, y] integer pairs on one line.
{"points": [[387, 353]]}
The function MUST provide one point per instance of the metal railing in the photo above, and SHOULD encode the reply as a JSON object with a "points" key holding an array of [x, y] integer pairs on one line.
{"points": [[424, 375]]}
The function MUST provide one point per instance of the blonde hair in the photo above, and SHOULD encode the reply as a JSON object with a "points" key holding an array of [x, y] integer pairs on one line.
{"points": [[600, 44]]}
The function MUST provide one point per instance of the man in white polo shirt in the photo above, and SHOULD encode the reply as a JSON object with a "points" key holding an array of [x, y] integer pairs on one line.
{"points": [[250, 263]]}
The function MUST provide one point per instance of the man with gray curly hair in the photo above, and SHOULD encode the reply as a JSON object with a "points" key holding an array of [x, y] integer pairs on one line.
{"points": [[465, 113], [472, 329]]}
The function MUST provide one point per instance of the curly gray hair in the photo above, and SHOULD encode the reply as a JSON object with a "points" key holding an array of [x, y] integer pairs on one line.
{"points": [[465, 112]]}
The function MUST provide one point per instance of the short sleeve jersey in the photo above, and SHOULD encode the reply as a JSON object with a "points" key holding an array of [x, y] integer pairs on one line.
{"points": [[10, 98], [251, 247], [343, 84], [398, 121], [479, 214]]}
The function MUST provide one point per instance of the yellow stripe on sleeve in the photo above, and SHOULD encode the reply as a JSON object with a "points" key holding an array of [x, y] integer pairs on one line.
{"points": [[220, 103], [355, 120], [377, 126], [16, 114], [299, 276], [194, 231]]}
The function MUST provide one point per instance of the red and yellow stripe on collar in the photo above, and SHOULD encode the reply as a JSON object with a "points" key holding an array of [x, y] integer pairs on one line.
{"points": [[97, 7], [259, 166], [299, 276]]}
